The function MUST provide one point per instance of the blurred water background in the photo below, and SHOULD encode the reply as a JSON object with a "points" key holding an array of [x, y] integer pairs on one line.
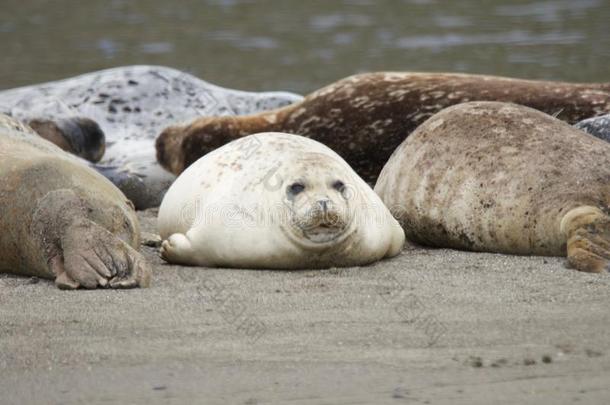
{"points": [[302, 45]]}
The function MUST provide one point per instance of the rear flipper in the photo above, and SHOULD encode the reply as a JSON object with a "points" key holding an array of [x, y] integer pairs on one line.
{"points": [[588, 239]]}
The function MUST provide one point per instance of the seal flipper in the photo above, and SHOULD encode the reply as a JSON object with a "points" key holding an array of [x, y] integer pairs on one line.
{"points": [[80, 252], [94, 257], [588, 239], [80, 136], [178, 249]]}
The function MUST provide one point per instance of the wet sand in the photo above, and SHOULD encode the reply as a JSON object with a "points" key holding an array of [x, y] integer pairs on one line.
{"points": [[430, 326]]}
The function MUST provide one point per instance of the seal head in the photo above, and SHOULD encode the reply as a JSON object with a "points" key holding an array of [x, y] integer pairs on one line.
{"points": [[318, 203], [80, 136]]}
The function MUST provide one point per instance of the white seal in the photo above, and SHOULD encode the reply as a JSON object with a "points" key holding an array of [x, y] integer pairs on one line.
{"points": [[275, 200]]}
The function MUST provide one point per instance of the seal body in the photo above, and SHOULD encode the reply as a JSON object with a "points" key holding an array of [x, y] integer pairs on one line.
{"points": [[365, 117], [499, 177], [62, 220], [596, 126], [275, 200], [131, 105]]}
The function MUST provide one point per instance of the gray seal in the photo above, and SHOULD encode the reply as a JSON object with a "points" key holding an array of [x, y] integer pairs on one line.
{"points": [[596, 126]]}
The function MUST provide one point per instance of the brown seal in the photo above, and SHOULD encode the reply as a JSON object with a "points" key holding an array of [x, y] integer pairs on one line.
{"points": [[365, 117], [62, 220], [499, 177]]}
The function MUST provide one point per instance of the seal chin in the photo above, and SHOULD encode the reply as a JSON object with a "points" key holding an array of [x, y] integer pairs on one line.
{"points": [[323, 233], [319, 231]]}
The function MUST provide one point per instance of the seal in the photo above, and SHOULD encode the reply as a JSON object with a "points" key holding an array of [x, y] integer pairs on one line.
{"points": [[62, 220], [276, 201], [131, 105], [365, 117], [499, 177], [596, 126], [80, 136]]}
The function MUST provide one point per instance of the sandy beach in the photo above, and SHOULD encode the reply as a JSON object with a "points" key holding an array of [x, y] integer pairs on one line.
{"points": [[430, 326]]}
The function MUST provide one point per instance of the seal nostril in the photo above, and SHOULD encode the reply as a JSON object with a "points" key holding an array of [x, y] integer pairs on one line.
{"points": [[324, 204]]}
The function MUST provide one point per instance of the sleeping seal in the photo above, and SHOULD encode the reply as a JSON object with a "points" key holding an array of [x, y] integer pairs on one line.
{"points": [[62, 220], [499, 177]]}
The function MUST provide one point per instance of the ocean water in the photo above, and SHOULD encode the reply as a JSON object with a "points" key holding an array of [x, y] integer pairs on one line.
{"points": [[303, 45]]}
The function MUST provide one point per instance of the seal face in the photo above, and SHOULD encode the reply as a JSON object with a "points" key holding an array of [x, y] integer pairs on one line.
{"points": [[131, 105], [499, 177], [596, 126], [79, 136], [275, 200], [62, 220], [365, 117]]}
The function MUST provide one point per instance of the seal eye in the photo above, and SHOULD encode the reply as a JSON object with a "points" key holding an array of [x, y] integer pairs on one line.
{"points": [[339, 186], [296, 188]]}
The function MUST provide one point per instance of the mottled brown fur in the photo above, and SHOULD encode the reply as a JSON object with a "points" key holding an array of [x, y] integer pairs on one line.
{"points": [[500, 177], [365, 117]]}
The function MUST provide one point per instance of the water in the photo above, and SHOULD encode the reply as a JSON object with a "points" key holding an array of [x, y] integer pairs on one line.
{"points": [[302, 45]]}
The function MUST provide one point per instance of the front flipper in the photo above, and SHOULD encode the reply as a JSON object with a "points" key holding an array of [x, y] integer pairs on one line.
{"points": [[92, 257], [177, 249], [78, 251], [588, 239]]}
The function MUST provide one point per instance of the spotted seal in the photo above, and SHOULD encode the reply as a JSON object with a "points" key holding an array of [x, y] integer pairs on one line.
{"points": [[499, 177], [275, 201], [365, 117], [596, 126], [131, 104]]}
